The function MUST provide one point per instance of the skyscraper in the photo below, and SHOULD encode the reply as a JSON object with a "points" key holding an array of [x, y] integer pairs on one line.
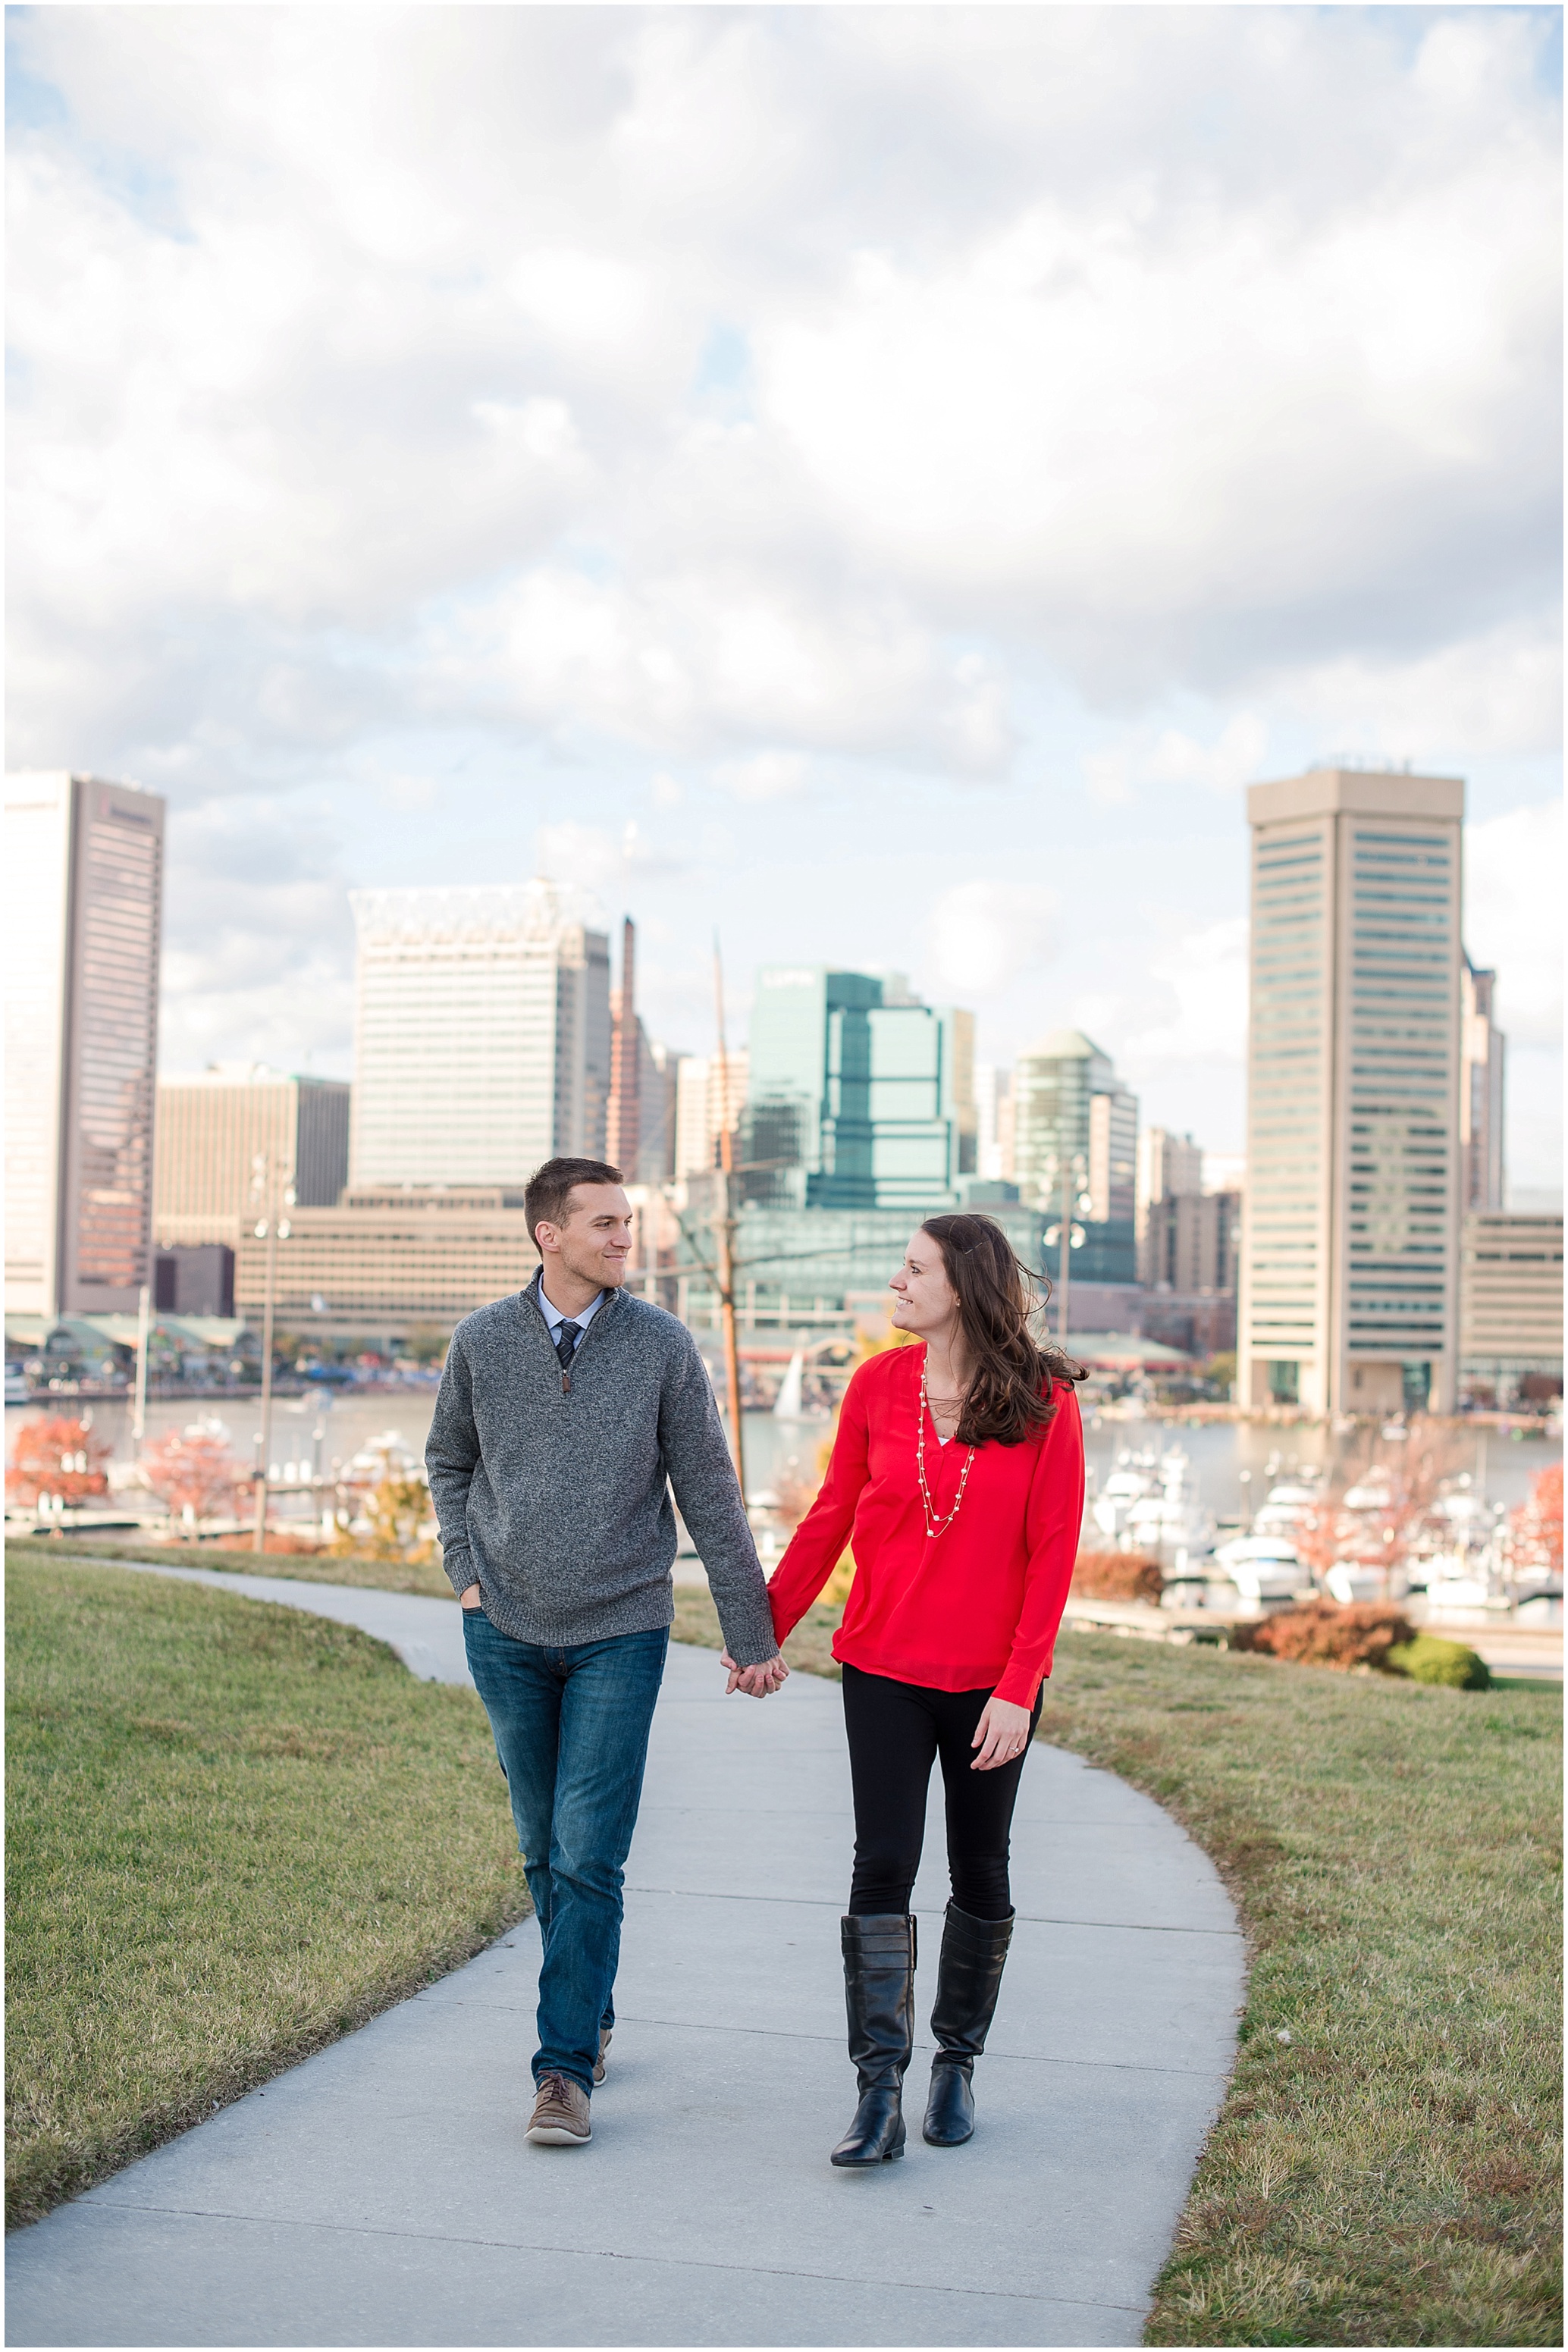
{"points": [[84, 887], [860, 1096], [1483, 1051], [1072, 1112], [1350, 1252], [482, 1036], [1170, 1168], [623, 1124], [212, 1126], [708, 1099]]}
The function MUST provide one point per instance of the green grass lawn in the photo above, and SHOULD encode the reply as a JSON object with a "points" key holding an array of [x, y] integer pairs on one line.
{"points": [[1390, 2173], [234, 1832]]}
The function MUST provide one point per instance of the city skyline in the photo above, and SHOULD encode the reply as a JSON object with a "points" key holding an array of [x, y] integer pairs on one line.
{"points": [[570, 511]]}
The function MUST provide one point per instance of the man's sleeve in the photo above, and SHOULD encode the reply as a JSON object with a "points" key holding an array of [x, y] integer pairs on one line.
{"points": [[451, 1453], [691, 1439]]}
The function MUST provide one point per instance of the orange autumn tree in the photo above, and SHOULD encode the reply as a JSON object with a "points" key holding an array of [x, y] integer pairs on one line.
{"points": [[193, 1471], [59, 1455], [1536, 1525]]}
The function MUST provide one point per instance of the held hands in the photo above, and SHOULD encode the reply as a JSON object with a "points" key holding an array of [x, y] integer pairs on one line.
{"points": [[757, 1682], [1002, 1735]]}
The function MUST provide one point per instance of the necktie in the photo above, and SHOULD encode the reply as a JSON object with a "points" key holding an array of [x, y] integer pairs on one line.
{"points": [[566, 1337]]}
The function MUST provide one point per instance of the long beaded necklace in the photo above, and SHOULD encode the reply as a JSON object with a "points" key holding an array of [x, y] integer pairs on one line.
{"points": [[935, 1527]]}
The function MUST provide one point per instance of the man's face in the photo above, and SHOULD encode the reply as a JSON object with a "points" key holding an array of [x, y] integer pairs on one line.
{"points": [[593, 1238]]}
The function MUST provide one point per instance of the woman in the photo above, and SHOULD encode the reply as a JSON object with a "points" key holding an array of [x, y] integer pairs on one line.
{"points": [[957, 1473]]}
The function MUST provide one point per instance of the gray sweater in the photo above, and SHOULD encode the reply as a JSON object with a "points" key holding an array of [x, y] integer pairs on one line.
{"points": [[551, 1490]]}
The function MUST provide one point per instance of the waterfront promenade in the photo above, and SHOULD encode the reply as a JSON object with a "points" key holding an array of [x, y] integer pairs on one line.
{"points": [[382, 2193]]}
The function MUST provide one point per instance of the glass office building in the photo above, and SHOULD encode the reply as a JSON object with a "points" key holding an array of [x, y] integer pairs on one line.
{"points": [[858, 1096], [1072, 1113], [84, 887], [1350, 1253]]}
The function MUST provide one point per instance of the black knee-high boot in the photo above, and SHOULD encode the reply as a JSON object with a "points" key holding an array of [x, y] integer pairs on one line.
{"points": [[879, 1996], [969, 1978]]}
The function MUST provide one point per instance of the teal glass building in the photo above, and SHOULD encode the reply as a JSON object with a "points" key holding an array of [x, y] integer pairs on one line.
{"points": [[858, 1096]]}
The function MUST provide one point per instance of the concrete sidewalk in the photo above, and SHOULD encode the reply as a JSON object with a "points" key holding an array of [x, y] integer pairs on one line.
{"points": [[383, 2191]]}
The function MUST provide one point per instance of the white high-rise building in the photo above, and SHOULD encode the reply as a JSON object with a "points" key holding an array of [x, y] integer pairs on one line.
{"points": [[84, 899], [994, 1122], [1350, 1253], [707, 1103], [481, 1036]]}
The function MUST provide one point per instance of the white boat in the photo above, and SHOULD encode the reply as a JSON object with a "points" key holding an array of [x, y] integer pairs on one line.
{"points": [[1369, 1494], [1170, 1518], [787, 1404], [1351, 1580], [1262, 1567], [1130, 1482]]}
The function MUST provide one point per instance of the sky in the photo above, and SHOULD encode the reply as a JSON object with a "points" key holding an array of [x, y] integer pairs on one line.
{"points": [[874, 483]]}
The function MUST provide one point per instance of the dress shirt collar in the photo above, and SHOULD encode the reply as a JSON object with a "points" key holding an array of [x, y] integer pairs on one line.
{"points": [[554, 1318]]}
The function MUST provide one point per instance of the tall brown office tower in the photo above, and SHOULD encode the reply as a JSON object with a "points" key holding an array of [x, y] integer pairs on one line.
{"points": [[624, 1124], [84, 887]]}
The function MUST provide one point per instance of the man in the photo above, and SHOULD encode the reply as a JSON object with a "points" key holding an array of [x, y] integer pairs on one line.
{"points": [[565, 1415]]}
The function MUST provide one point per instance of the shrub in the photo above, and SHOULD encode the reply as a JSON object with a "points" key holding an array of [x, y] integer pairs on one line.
{"points": [[1321, 1634], [1117, 1576], [1428, 1659]]}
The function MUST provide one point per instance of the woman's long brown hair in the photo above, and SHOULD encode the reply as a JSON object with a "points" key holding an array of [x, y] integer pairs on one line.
{"points": [[1012, 1390]]}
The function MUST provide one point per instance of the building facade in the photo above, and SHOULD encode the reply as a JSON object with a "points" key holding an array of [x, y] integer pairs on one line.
{"points": [[1350, 1258], [1191, 1243], [385, 1260], [793, 1263], [992, 1123], [1073, 1118], [709, 1093], [84, 898], [1170, 1168], [1511, 1307], [1483, 1060], [858, 1096], [481, 1036], [212, 1129]]}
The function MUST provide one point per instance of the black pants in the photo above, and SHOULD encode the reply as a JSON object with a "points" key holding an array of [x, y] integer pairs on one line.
{"points": [[896, 1729]]}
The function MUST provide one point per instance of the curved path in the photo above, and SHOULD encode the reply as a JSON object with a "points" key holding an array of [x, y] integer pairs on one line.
{"points": [[382, 2193]]}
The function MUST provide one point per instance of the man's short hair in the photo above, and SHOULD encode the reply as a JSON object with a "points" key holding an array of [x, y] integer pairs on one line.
{"points": [[548, 1197]]}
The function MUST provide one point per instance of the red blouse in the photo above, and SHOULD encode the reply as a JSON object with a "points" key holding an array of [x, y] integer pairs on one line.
{"points": [[974, 1608]]}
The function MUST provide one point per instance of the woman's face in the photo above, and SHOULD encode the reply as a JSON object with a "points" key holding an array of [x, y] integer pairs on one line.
{"points": [[924, 1300]]}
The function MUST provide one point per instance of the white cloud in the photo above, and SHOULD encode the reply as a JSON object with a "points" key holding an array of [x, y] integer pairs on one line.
{"points": [[767, 776], [767, 389], [1514, 898], [1203, 982], [985, 935]]}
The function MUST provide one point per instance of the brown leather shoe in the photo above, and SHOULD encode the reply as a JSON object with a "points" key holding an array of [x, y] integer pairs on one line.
{"points": [[605, 2033], [560, 2113]]}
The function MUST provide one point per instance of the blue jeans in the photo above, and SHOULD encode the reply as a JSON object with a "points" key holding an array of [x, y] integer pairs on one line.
{"points": [[571, 1730]]}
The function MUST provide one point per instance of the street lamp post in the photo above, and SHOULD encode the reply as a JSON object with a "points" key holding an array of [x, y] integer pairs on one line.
{"points": [[271, 1229]]}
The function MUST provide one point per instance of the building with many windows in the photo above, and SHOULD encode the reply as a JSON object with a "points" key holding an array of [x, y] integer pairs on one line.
{"points": [[1511, 1307], [1075, 1123], [858, 1096], [1170, 1168], [213, 1127], [709, 1093], [385, 1260], [1350, 1255], [481, 1036], [84, 896], [1483, 1051]]}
